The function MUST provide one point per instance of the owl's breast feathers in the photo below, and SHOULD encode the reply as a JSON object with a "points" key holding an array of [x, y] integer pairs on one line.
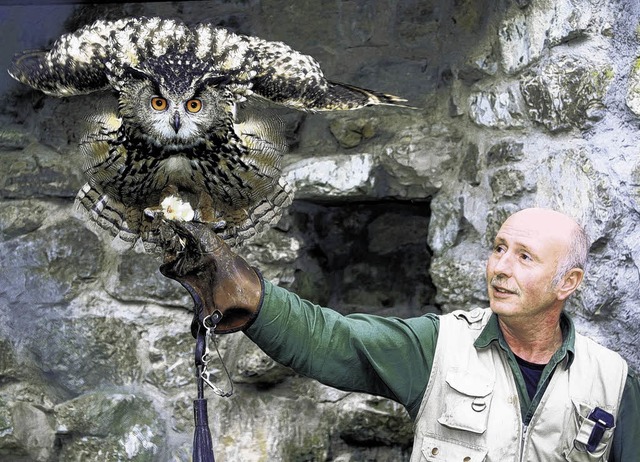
{"points": [[136, 171]]}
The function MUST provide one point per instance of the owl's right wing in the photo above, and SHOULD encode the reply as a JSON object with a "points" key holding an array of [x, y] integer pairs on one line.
{"points": [[75, 64], [96, 56]]}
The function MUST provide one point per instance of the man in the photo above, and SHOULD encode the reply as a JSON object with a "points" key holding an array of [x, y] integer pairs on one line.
{"points": [[513, 382]]}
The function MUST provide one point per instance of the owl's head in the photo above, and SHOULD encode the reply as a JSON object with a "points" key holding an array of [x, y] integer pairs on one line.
{"points": [[174, 104]]}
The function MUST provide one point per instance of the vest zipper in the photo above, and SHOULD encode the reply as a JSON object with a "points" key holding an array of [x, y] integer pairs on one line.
{"points": [[522, 441]]}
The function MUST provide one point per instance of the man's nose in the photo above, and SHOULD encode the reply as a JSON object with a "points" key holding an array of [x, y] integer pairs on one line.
{"points": [[503, 264]]}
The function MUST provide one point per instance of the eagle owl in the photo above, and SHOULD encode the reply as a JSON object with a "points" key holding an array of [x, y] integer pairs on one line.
{"points": [[188, 125]]}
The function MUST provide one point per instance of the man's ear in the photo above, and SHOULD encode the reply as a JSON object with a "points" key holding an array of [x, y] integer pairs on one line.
{"points": [[570, 282]]}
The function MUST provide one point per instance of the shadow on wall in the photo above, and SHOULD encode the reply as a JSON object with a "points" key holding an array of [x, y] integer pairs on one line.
{"points": [[369, 255]]}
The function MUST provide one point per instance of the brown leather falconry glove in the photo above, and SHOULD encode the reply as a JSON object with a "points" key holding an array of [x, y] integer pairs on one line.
{"points": [[219, 281]]}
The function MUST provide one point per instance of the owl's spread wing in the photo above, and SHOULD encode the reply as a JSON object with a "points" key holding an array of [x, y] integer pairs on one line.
{"points": [[99, 55], [73, 66], [35, 68], [293, 79], [277, 72]]}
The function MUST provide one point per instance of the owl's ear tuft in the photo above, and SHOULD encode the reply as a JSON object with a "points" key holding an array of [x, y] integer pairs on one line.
{"points": [[213, 80], [135, 73]]}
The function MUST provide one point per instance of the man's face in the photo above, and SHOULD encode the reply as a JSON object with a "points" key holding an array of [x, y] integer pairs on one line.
{"points": [[524, 261]]}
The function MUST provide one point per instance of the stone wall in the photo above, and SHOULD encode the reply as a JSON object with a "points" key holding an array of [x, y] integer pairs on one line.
{"points": [[517, 103]]}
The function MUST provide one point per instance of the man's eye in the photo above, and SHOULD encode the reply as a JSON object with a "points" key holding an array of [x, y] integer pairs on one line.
{"points": [[499, 249], [526, 257]]}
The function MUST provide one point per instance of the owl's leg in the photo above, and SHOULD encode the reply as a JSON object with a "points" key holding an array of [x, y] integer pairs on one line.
{"points": [[207, 212], [153, 211], [247, 222], [238, 216], [134, 217], [120, 221]]}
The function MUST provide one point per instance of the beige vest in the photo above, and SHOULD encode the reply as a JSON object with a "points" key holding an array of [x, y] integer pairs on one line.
{"points": [[471, 411]]}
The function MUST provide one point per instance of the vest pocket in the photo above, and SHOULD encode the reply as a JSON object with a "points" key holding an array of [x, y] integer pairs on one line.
{"points": [[435, 450], [582, 427], [467, 401]]}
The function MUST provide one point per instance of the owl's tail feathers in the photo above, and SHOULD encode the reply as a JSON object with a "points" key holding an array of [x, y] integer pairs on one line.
{"points": [[57, 78], [260, 218], [341, 96], [107, 214]]}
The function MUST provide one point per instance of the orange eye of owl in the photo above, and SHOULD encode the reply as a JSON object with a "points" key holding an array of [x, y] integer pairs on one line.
{"points": [[159, 104], [194, 105]]}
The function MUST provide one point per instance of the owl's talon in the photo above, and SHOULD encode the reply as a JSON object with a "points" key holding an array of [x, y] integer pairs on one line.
{"points": [[153, 213]]}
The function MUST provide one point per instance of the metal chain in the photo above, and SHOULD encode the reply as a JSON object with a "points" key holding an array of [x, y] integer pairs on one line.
{"points": [[209, 323]]}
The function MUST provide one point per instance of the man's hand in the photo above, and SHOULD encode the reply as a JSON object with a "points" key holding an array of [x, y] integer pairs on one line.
{"points": [[216, 277]]}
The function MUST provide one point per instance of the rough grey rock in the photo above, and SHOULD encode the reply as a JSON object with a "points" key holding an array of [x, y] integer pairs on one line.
{"points": [[136, 278], [459, 275], [128, 423], [481, 63], [32, 431], [22, 217], [505, 151], [251, 365], [43, 274], [9, 367], [38, 171], [11, 139], [633, 89], [350, 175], [171, 361], [82, 354], [133, 446], [497, 108], [444, 222], [374, 421], [516, 104], [566, 93], [351, 132], [508, 184], [526, 33]]}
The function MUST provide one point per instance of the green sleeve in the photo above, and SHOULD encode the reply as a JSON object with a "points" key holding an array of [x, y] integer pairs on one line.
{"points": [[390, 357], [626, 436]]}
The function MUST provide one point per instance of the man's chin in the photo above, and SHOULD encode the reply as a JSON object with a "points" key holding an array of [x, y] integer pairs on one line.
{"points": [[503, 308]]}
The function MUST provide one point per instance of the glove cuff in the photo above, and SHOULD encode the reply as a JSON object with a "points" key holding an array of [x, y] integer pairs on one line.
{"points": [[255, 314]]}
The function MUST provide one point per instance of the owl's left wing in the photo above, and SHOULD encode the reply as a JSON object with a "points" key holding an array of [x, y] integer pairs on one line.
{"points": [[293, 79]]}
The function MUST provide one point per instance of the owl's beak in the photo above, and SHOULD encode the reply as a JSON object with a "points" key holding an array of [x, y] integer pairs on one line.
{"points": [[176, 122]]}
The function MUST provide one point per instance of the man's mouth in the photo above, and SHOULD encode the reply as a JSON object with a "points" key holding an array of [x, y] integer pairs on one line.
{"points": [[502, 291]]}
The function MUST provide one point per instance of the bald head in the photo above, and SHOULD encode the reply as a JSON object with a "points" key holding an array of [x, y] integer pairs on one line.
{"points": [[554, 229]]}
